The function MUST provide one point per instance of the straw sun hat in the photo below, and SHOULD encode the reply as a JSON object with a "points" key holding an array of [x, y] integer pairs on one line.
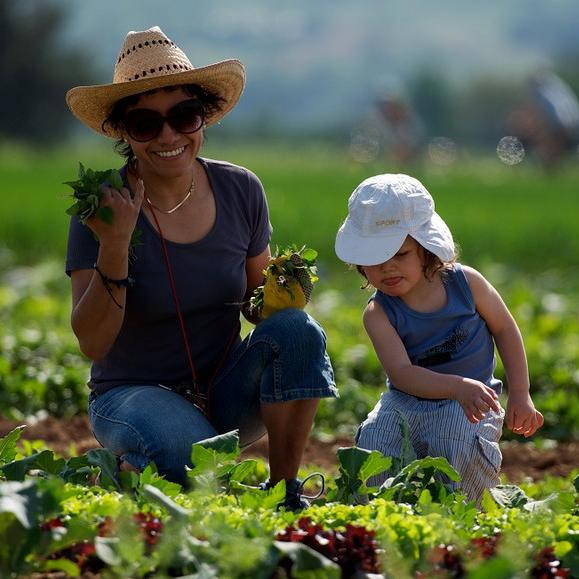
{"points": [[150, 60]]}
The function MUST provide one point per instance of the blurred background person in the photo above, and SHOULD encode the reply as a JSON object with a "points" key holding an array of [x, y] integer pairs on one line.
{"points": [[403, 128], [547, 121]]}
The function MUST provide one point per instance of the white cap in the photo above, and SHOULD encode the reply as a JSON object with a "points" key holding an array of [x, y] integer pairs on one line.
{"points": [[382, 211]]}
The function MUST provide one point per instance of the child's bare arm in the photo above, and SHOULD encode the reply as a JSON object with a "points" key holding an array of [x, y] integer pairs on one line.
{"points": [[475, 397], [522, 417]]}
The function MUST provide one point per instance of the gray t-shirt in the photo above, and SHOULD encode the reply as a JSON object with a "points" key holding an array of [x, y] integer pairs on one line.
{"points": [[210, 281]]}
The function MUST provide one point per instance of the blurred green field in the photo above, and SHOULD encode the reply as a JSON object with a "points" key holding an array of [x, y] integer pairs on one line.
{"points": [[516, 216]]}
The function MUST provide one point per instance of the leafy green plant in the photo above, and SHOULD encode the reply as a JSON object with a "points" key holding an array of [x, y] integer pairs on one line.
{"points": [[356, 466], [87, 194]]}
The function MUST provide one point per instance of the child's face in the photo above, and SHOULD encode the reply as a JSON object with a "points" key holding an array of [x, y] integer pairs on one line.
{"points": [[401, 273]]}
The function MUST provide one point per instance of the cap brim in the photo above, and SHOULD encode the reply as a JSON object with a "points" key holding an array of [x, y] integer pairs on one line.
{"points": [[435, 236], [92, 104], [353, 247]]}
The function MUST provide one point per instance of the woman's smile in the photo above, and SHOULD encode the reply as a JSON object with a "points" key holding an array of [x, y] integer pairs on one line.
{"points": [[170, 154]]}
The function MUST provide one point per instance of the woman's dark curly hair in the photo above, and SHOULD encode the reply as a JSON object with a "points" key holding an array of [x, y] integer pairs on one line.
{"points": [[430, 266], [212, 103]]}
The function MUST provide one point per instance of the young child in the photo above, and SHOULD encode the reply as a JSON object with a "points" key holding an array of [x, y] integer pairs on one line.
{"points": [[434, 324]]}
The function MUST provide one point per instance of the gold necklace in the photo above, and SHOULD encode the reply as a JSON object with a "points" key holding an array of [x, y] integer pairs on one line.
{"points": [[191, 190]]}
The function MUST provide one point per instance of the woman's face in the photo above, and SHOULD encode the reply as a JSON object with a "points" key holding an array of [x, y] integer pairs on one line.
{"points": [[170, 153]]}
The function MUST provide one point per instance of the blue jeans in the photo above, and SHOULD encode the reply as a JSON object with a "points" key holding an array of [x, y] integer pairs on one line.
{"points": [[284, 358]]}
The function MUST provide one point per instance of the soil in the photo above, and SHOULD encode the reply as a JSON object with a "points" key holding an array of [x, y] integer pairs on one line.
{"points": [[521, 461]]}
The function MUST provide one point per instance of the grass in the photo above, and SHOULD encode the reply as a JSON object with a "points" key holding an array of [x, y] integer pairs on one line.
{"points": [[519, 216]]}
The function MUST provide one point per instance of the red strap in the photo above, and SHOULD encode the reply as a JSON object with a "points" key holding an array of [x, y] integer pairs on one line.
{"points": [[203, 399], [176, 299]]}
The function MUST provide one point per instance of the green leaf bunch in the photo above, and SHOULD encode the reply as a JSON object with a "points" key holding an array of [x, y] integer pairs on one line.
{"points": [[87, 194]]}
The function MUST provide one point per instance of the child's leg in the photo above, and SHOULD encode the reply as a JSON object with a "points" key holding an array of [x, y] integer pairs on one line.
{"points": [[381, 430], [472, 449]]}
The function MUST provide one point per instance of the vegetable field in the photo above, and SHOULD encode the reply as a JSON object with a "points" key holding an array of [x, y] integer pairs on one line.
{"points": [[72, 514]]}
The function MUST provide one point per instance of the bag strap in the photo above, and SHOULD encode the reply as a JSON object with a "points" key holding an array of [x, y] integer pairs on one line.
{"points": [[200, 399]]}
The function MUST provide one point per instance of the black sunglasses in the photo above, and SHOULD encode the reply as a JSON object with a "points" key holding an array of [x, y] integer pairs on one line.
{"points": [[146, 124]]}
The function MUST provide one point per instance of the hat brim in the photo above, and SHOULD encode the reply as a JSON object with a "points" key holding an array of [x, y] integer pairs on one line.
{"points": [[358, 249], [92, 104], [353, 247], [435, 236]]}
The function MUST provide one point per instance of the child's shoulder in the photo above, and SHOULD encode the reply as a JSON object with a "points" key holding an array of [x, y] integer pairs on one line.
{"points": [[479, 286], [472, 275]]}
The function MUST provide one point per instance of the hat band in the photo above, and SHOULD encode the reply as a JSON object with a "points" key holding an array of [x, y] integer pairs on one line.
{"points": [[163, 69]]}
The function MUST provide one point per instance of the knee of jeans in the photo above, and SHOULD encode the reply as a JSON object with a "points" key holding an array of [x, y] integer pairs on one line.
{"points": [[294, 329]]}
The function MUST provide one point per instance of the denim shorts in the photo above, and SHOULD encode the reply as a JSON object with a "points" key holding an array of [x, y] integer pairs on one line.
{"points": [[284, 358], [437, 428]]}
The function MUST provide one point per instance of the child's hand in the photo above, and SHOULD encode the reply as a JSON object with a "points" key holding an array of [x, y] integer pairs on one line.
{"points": [[476, 399], [522, 416]]}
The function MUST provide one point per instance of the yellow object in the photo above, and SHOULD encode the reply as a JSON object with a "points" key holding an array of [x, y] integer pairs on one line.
{"points": [[280, 293]]}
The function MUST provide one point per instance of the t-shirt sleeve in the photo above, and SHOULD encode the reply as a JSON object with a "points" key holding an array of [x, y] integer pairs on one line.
{"points": [[259, 217], [82, 249]]}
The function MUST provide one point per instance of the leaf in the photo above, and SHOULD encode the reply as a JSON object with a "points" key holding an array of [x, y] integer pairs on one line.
{"points": [[242, 470], [69, 568], [488, 503], [159, 497], [556, 503], [107, 551], [8, 444], [375, 464], [73, 209], [45, 461], [308, 563], [18, 499], [437, 463], [351, 459], [509, 496], [408, 455], [309, 254], [215, 455], [107, 462], [114, 179], [498, 567], [254, 498], [74, 184], [227, 443]]}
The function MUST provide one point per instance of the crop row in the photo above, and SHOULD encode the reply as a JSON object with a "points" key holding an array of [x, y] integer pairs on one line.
{"points": [[79, 515]]}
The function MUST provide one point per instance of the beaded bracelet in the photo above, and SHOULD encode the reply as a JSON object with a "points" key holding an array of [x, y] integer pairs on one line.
{"points": [[120, 283]]}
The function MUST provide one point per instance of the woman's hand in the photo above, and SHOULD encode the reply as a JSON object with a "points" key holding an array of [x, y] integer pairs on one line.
{"points": [[125, 211], [522, 416], [476, 399]]}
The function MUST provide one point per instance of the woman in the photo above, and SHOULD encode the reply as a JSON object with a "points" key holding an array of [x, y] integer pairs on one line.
{"points": [[160, 319]]}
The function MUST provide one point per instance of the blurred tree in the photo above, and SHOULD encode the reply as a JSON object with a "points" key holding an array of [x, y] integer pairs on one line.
{"points": [[434, 100], [36, 71]]}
